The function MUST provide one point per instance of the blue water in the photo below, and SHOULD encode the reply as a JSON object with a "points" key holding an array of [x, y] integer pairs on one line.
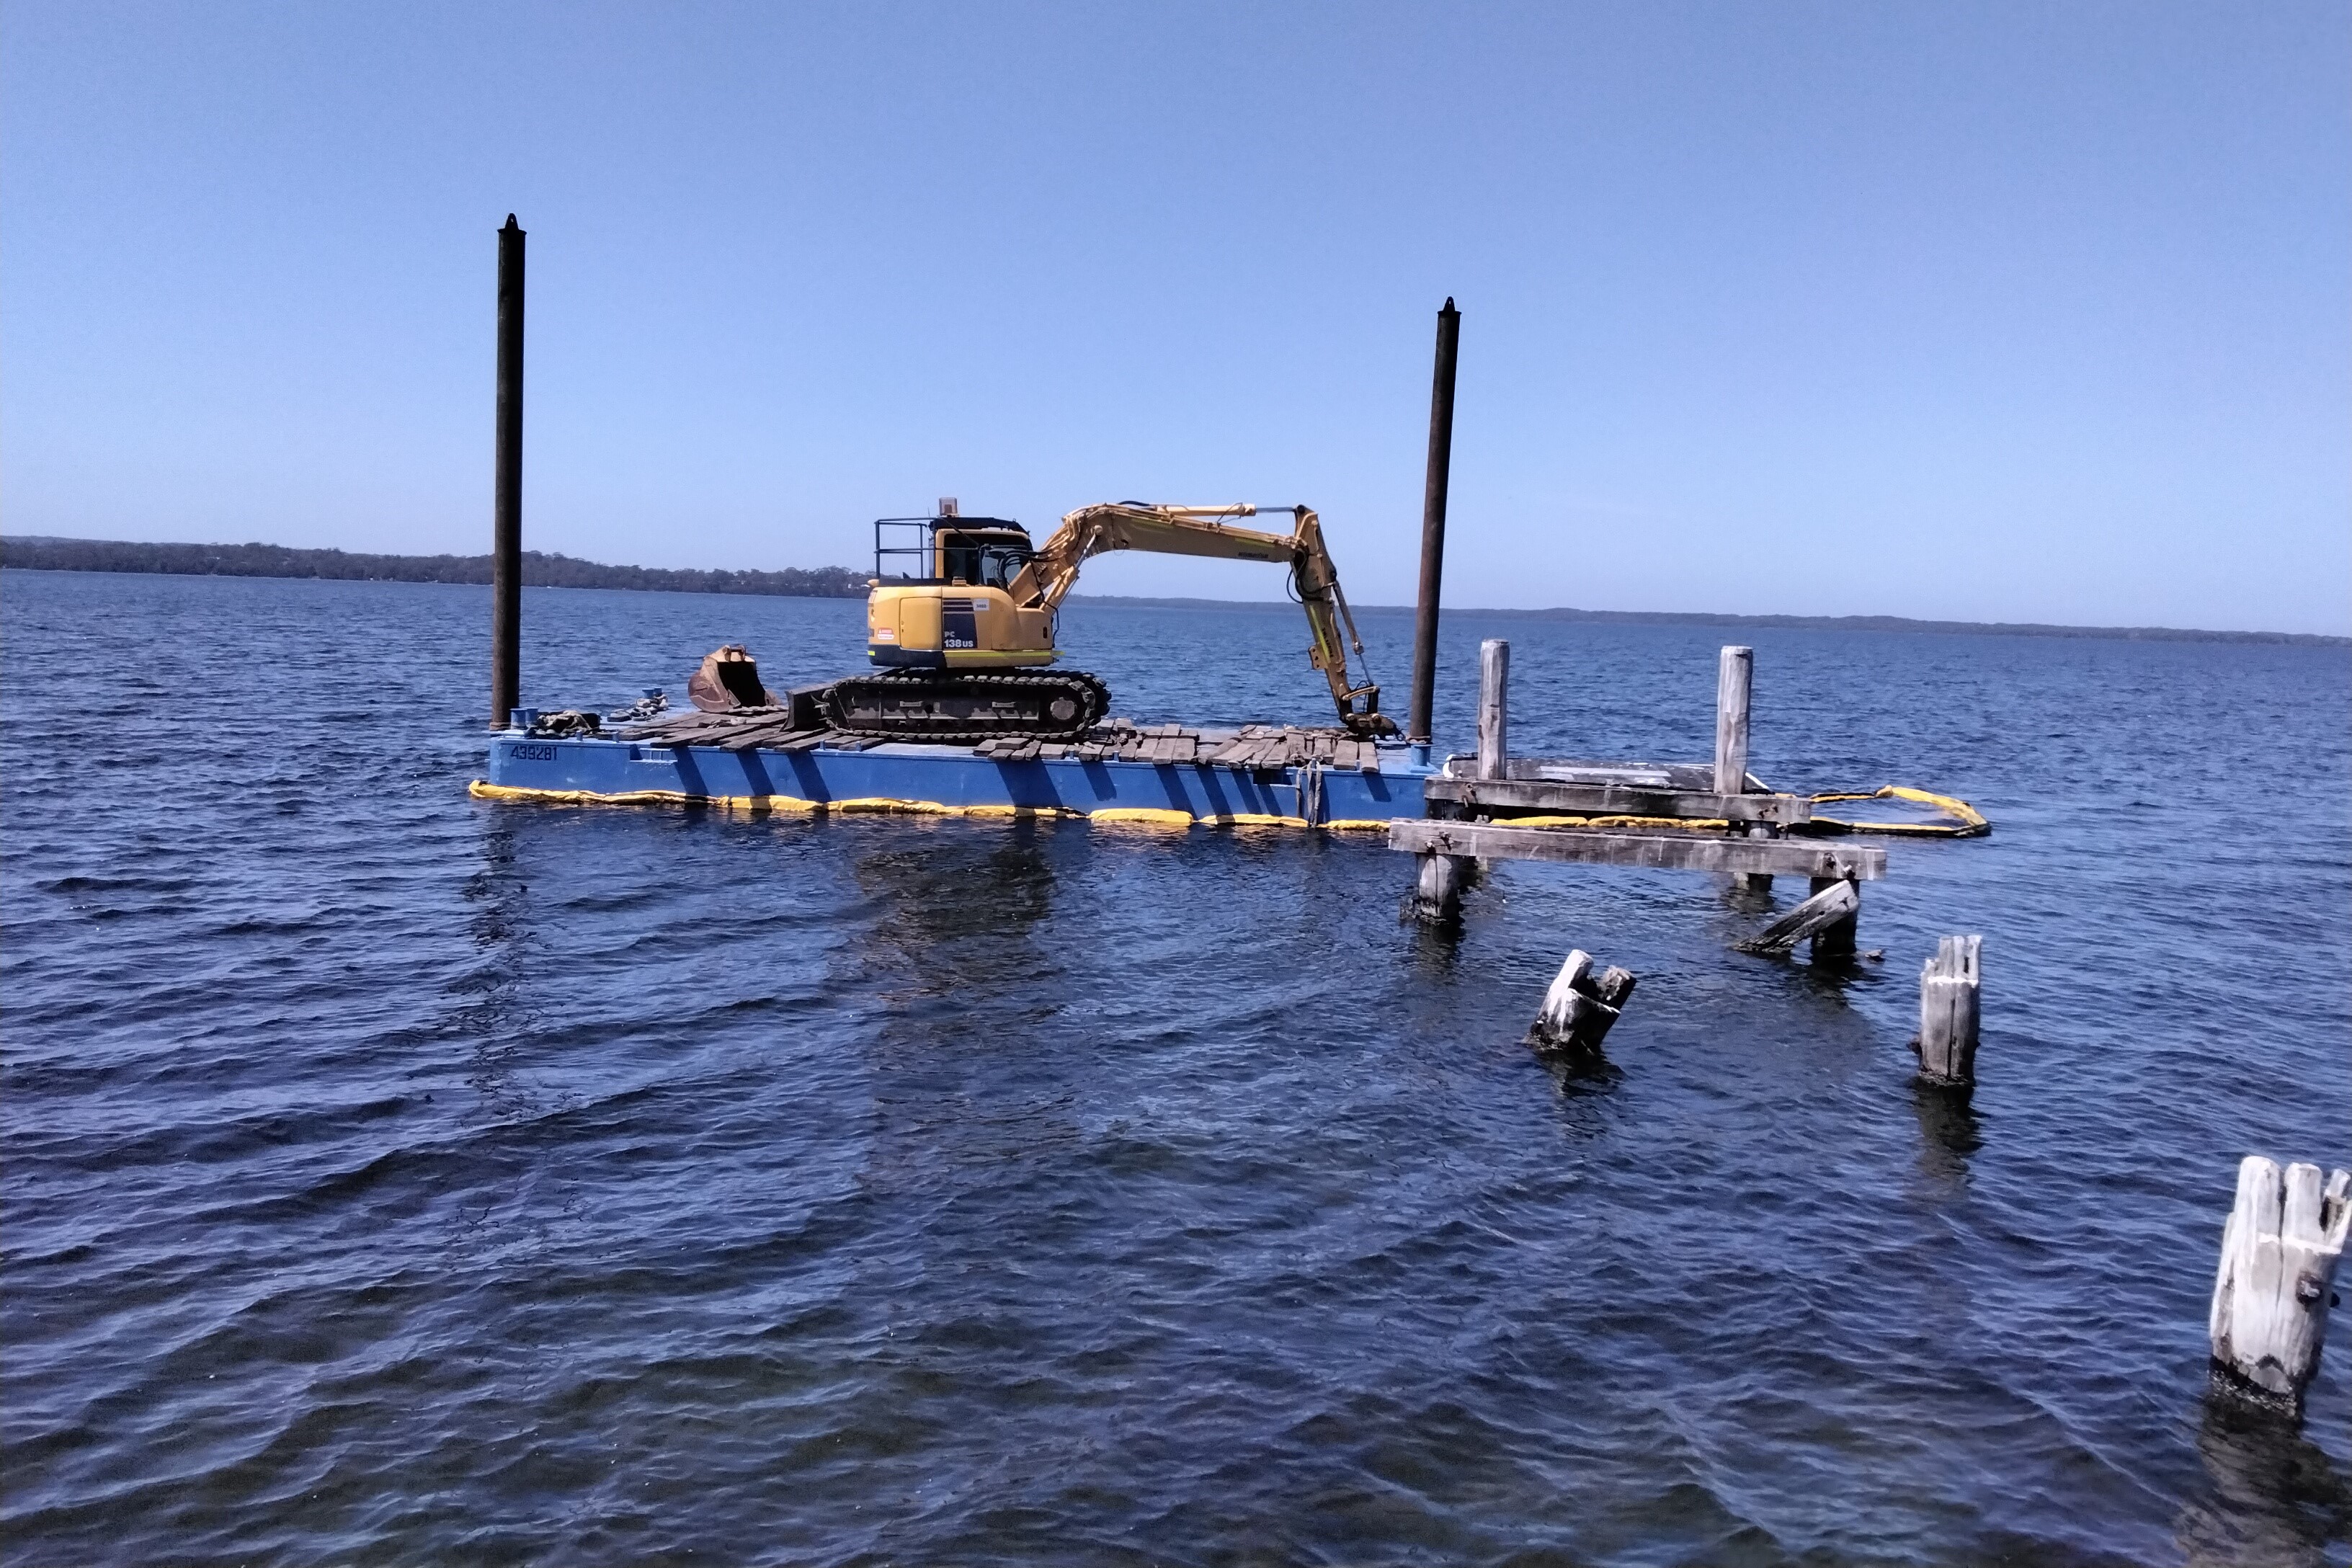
{"points": [[392, 1177]]}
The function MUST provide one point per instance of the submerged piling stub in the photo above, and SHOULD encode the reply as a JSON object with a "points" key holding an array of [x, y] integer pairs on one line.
{"points": [[2279, 1251], [1948, 1012], [1437, 892], [1580, 1007]]}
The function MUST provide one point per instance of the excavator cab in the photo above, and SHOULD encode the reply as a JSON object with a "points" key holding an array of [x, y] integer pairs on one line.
{"points": [[939, 597]]}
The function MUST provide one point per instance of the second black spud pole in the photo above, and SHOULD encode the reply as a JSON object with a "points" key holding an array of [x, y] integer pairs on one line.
{"points": [[506, 506], [1432, 525]]}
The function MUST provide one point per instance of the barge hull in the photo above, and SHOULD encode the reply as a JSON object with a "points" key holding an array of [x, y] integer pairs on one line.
{"points": [[913, 777]]}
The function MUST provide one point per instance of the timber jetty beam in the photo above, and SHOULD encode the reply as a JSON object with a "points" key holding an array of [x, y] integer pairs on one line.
{"points": [[1674, 850], [1615, 800]]}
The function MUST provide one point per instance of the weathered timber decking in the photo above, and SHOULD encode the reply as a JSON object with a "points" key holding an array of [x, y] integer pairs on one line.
{"points": [[1117, 740]]}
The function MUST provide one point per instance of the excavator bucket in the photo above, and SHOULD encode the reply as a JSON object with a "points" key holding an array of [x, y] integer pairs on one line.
{"points": [[730, 677]]}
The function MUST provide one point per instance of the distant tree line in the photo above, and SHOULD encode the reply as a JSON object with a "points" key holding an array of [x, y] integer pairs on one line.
{"points": [[542, 571], [539, 570]]}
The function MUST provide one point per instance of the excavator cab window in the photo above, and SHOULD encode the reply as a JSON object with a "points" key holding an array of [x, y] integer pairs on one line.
{"points": [[981, 562], [999, 564]]}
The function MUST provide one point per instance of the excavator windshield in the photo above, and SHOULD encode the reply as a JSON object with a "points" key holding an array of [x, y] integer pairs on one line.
{"points": [[982, 559]]}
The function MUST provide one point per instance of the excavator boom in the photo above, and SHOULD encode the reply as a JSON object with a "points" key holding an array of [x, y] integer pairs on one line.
{"points": [[1047, 577]]}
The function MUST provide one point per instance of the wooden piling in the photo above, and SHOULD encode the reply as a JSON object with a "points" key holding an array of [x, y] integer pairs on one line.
{"points": [[1733, 679], [1433, 523], [2279, 1251], [1580, 1008], [1948, 1012], [1494, 708], [506, 505], [1437, 892]]}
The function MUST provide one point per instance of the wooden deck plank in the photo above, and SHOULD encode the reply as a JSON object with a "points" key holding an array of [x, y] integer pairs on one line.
{"points": [[1682, 777]]}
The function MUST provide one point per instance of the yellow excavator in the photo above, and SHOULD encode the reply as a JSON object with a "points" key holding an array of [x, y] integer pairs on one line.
{"points": [[962, 615]]}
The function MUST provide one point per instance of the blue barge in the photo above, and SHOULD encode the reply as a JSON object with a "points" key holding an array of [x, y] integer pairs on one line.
{"points": [[1171, 776]]}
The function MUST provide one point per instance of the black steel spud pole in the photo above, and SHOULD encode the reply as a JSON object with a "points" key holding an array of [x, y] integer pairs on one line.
{"points": [[1432, 525], [506, 550]]}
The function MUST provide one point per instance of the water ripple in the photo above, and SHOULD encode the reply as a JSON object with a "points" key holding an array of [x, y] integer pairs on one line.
{"points": [[393, 1177]]}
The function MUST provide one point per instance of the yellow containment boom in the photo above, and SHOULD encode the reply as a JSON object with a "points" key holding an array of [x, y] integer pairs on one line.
{"points": [[1049, 576]]}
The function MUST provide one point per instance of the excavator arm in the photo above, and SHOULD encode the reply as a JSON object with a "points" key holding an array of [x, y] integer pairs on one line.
{"points": [[1049, 576]]}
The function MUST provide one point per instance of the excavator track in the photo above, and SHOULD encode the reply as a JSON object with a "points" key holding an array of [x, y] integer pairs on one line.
{"points": [[959, 708]]}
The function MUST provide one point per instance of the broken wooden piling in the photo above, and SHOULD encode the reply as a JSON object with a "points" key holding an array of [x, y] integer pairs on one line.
{"points": [[1835, 939], [1835, 906], [1580, 1008], [1948, 1012], [2279, 1251]]}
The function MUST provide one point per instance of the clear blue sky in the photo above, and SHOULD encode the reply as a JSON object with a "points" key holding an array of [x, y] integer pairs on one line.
{"points": [[1984, 311]]}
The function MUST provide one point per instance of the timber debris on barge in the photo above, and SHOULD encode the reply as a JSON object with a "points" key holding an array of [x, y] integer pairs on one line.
{"points": [[1120, 740]]}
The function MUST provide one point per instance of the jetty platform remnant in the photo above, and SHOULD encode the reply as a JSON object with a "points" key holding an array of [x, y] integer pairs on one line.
{"points": [[1661, 815]]}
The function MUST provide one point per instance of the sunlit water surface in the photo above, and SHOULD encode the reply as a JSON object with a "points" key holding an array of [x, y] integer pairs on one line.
{"points": [[392, 1177]]}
